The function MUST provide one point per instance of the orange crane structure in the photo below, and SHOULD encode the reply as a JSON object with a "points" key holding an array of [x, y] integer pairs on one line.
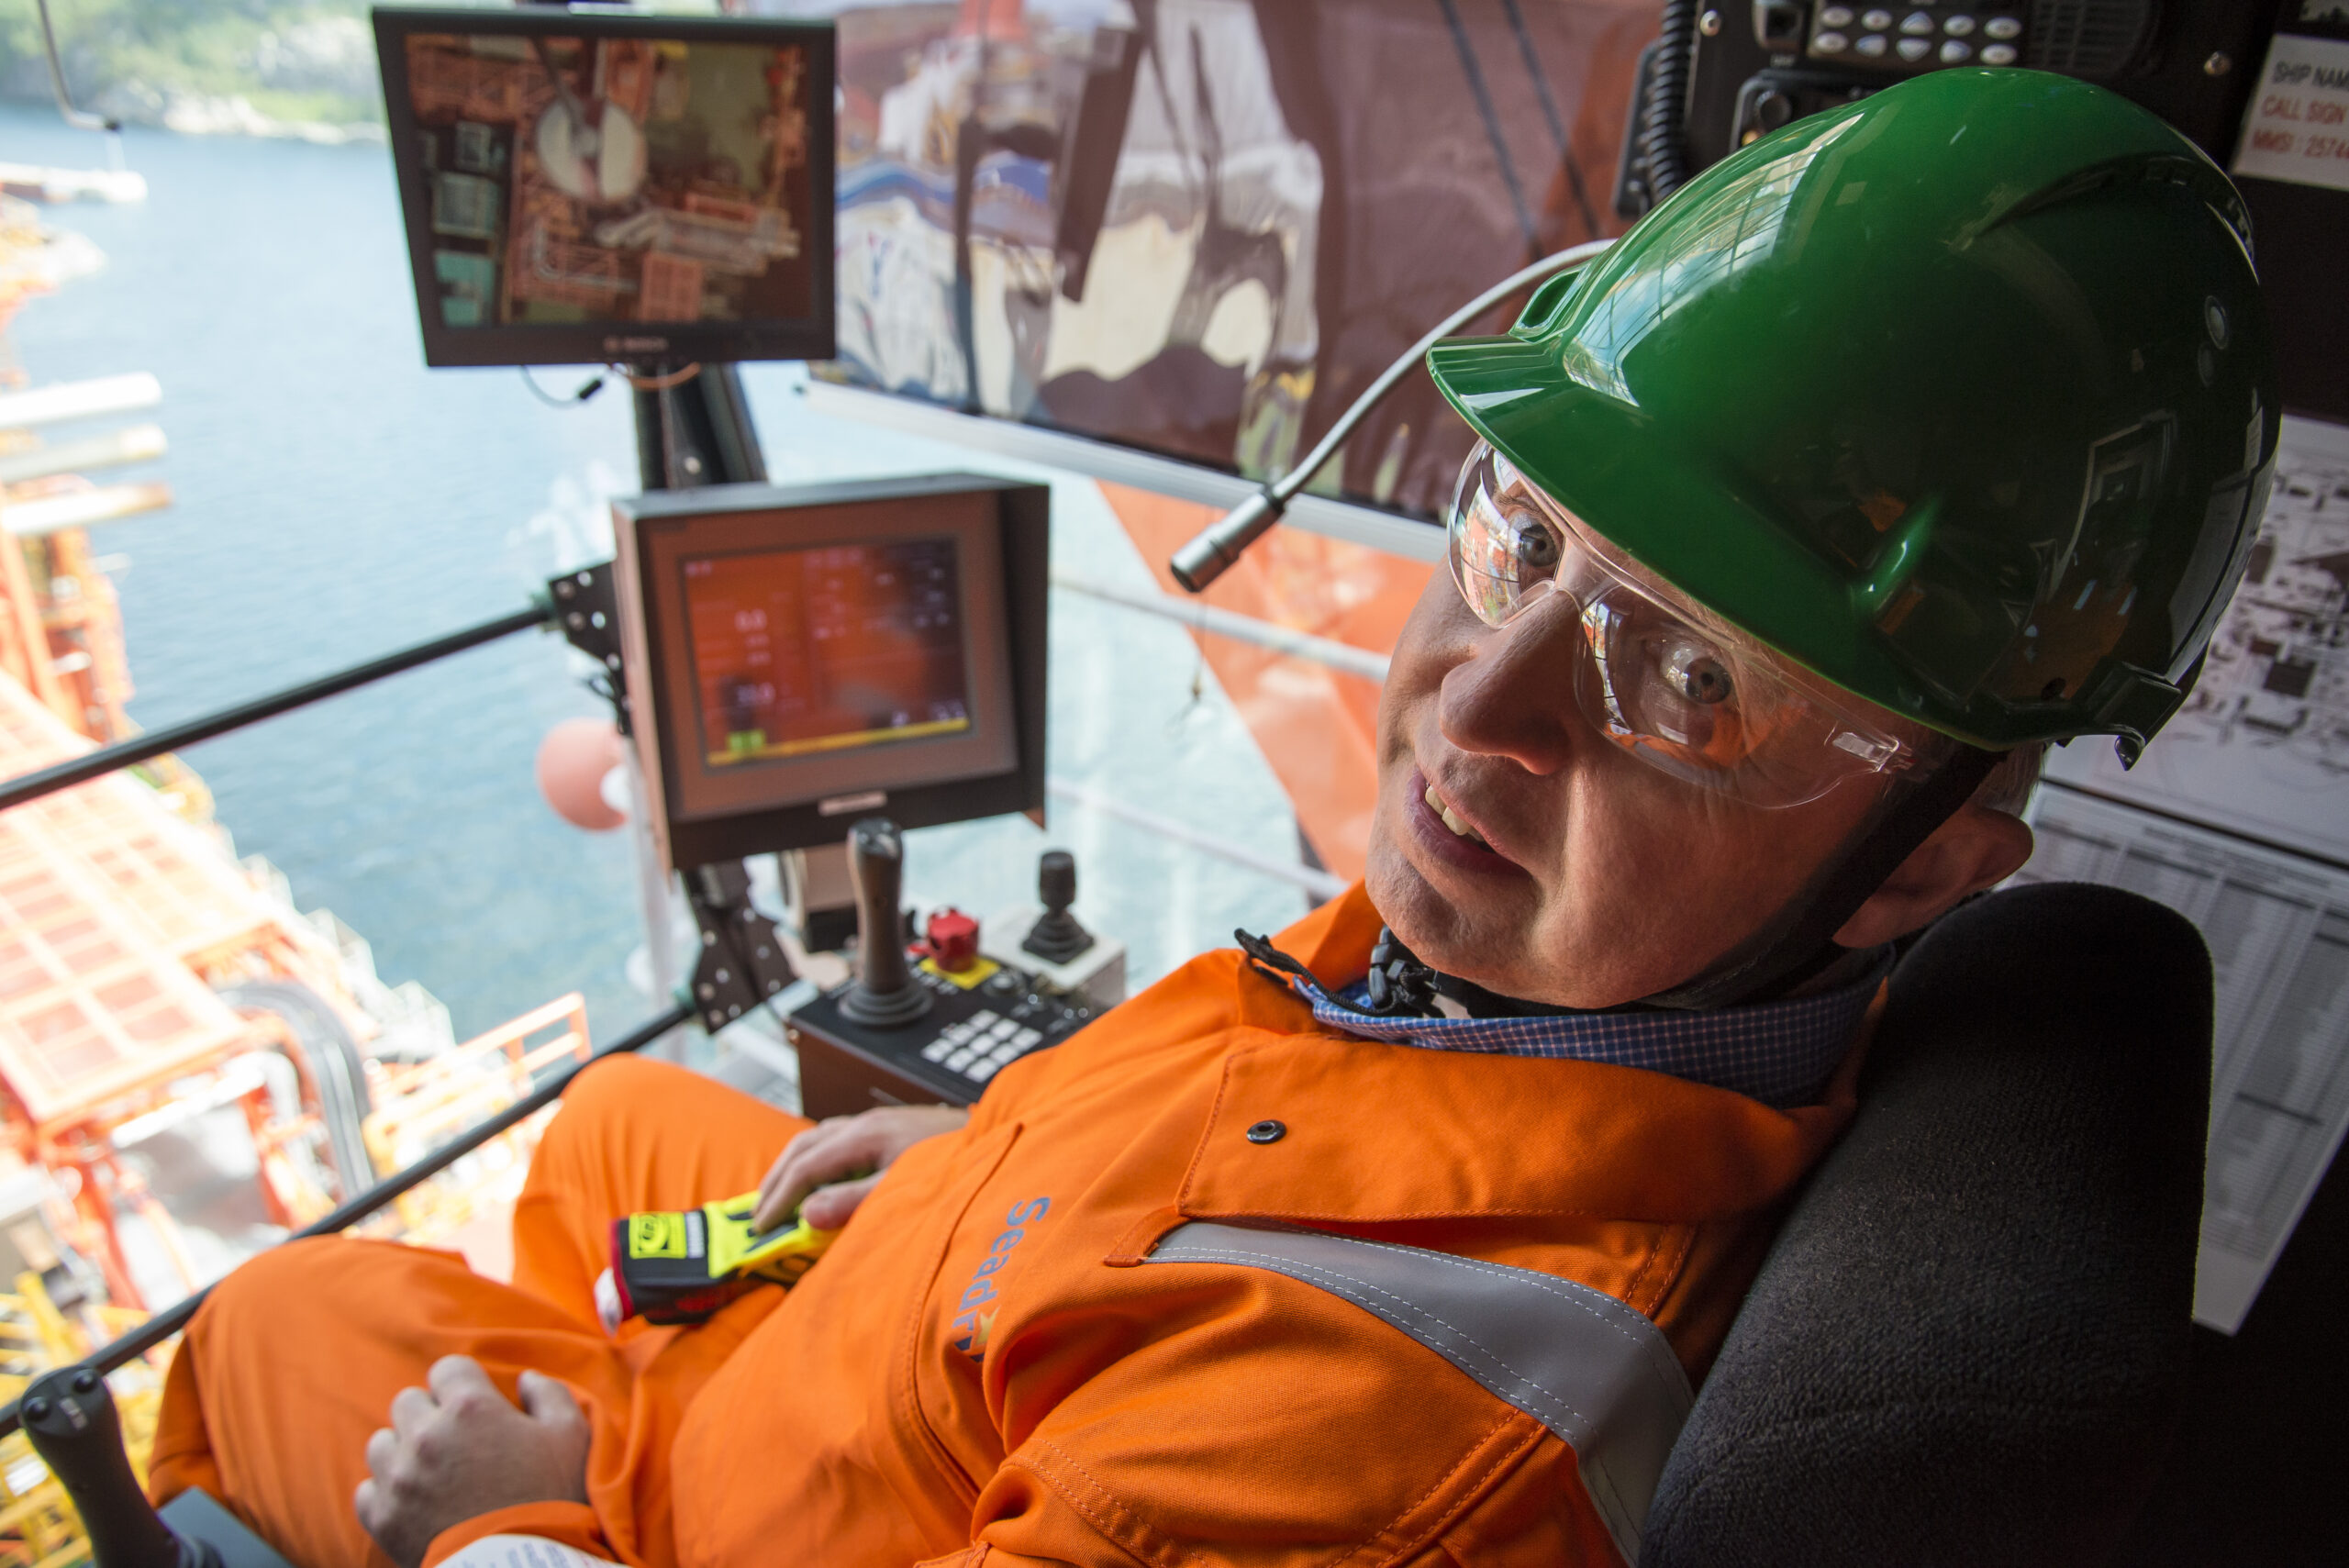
{"points": [[119, 922], [149, 976]]}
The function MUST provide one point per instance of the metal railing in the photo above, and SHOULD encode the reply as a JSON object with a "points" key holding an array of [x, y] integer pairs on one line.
{"points": [[155, 742], [1216, 621], [107, 759], [172, 1319]]}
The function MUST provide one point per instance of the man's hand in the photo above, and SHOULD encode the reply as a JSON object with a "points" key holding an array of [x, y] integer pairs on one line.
{"points": [[459, 1449], [843, 1146]]}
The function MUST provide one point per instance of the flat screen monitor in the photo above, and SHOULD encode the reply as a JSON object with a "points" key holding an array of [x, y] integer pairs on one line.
{"points": [[797, 658], [588, 189]]}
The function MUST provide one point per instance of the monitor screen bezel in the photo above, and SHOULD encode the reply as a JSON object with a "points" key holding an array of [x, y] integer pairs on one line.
{"points": [[1022, 512], [699, 792], [613, 342]]}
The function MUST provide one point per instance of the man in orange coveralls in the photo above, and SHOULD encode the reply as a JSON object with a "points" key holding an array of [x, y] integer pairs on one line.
{"points": [[1766, 580]]}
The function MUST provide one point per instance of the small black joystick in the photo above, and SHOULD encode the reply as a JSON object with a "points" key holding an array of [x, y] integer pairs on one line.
{"points": [[885, 994], [1056, 938], [70, 1418]]}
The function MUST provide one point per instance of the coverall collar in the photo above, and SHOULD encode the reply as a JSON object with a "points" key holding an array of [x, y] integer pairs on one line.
{"points": [[1549, 1137]]}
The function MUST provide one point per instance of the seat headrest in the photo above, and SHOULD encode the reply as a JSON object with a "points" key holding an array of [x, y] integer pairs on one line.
{"points": [[1969, 1340]]}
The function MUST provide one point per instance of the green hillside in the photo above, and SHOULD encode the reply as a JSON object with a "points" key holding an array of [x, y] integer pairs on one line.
{"points": [[209, 65]]}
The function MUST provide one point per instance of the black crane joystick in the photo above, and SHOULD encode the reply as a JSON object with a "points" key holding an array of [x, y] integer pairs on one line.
{"points": [[1056, 938], [885, 994], [70, 1417]]}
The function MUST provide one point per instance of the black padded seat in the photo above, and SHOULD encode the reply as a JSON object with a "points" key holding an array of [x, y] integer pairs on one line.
{"points": [[1970, 1341]]}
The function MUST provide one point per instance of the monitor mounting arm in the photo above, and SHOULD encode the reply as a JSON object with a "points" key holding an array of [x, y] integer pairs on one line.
{"points": [[80, 119]]}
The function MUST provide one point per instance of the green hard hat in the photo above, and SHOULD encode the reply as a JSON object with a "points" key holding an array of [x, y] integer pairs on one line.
{"points": [[1960, 397]]}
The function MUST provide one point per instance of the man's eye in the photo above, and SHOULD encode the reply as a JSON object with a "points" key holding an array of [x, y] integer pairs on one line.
{"points": [[1698, 673], [1535, 547]]}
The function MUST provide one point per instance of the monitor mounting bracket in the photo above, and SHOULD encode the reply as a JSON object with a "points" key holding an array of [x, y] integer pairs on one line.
{"points": [[742, 965]]}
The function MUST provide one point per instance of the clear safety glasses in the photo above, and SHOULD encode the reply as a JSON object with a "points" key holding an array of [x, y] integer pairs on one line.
{"points": [[1674, 686]]}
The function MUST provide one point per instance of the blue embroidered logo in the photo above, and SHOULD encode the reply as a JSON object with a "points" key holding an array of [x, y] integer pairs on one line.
{"points": [[975, 1326]]}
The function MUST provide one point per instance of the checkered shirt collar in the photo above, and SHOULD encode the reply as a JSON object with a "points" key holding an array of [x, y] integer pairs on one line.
{"points": [[1781, 1053]]}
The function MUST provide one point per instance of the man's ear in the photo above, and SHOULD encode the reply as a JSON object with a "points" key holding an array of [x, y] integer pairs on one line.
{"points": [[1978, 848]]}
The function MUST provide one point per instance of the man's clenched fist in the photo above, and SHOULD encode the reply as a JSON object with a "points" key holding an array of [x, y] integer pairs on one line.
{"points": [[459, 1449]]}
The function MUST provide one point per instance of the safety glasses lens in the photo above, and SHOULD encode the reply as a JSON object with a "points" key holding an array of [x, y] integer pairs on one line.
{"points": [[1504, 553], [1683, 696], [1701, 709]]}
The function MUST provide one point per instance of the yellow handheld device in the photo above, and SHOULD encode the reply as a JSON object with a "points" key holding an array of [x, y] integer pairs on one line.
{"points": [[673, 1267]]}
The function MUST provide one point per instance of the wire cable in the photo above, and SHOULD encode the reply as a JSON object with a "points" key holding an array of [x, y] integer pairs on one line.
{"points": [[1662, 143], [1550, 111], [1486, 110], [658, 383], [587, 389]]}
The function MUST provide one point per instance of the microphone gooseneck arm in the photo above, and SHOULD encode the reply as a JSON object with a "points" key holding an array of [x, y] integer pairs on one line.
{"points": [[1207, 556]]}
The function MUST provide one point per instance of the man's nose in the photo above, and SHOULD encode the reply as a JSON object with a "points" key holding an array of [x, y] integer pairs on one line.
{"points": [[1514, 695]]}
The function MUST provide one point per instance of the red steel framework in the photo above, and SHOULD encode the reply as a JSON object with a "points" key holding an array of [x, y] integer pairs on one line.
{"points": [[116, 920]]}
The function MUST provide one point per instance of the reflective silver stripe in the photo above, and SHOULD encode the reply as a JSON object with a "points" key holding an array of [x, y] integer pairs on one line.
{"points": [[1581, 1363]]}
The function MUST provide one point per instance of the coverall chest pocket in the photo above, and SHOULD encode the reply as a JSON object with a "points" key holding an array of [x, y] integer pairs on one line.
{"points": [[947, 1340]]}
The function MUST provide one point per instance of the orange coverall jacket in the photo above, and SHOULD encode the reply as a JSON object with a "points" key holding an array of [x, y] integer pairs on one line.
{"points": [[977, 1373]]}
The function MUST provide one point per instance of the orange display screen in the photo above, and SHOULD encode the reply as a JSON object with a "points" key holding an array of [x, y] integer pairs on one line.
{"points": [[798, 653]]}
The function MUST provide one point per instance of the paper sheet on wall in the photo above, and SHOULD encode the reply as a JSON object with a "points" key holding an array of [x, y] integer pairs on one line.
{"points": [[2278, 925], [2297, 125], [2259, 752], [2262, 747]]}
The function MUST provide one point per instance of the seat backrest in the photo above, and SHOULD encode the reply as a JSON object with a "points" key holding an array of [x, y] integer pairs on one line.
{"points": [[1969, 1342]]}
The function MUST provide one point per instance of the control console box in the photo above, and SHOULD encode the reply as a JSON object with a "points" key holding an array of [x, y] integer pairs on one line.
{"points": [[970, 1034]]}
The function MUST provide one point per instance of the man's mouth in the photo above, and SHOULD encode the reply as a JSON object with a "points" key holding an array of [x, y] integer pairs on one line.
{"points": [[1451, 818]]}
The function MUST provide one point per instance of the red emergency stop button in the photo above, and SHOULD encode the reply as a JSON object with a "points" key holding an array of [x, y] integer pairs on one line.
{"points": [[954, 939]]}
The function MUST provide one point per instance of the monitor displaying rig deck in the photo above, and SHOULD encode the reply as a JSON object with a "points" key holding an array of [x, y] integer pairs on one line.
{"points": [[800, 657], [589, 189]]}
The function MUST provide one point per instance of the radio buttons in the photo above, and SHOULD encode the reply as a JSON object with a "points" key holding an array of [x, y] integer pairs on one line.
{"points": [[2003, 27], [1998, 54], [1956, 53]]}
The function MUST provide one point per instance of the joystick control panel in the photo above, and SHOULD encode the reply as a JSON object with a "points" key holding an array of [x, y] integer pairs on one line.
{"points": [[948, 1053], [904, 1032]]}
